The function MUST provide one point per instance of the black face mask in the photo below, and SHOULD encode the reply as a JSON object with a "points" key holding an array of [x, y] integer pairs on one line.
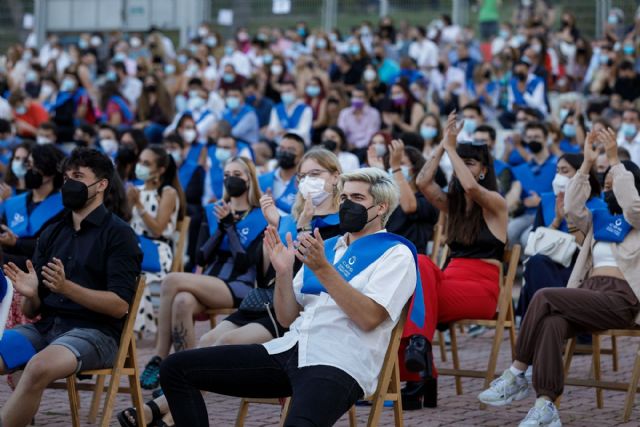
{"points": [[521, 76], [126, 156], [33, 179], [286, 160], [75, 194], [330, 145], [441, 68], [535, 146], [600, 176], [353, 217], [612, 203], [235, 186]]}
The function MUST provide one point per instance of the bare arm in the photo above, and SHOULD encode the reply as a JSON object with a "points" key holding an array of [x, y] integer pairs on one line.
{"points": [[167, 204], [426, 181], [408, 202]]}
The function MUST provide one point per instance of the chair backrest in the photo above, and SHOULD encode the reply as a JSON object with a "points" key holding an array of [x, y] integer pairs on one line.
{"points": [[391, 356], [438, 237], [127, 331], [178, 254], [510, 265]]}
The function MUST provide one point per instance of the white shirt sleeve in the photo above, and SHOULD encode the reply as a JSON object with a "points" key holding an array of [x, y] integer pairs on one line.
{"points": [[304, 125]]}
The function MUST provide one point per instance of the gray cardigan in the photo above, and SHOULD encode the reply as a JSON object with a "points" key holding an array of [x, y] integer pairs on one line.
{"points": [[627, 253]]}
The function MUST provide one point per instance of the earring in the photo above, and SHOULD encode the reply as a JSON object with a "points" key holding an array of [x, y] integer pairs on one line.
{"points": [[481, 176]]}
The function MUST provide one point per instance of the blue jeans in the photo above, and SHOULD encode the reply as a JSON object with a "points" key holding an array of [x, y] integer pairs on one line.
{"points": [[320, 394]]}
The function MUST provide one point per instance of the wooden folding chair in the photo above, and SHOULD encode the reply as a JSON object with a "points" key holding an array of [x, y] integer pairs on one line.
{"points": [[388, 388], [125, 364], [596, 381], [178, 252], [504, 319]]}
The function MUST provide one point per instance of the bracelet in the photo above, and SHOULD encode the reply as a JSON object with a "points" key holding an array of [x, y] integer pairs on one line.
{"points": [[301, 229], [396, 170]]}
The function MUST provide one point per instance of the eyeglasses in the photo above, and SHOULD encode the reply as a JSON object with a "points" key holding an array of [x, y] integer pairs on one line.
{"points": [[313, 173]]}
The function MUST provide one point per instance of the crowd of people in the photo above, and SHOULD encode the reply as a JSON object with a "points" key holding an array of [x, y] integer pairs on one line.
{"points": [[313, 167]]}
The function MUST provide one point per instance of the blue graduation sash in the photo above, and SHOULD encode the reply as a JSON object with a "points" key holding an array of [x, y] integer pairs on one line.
{"points": [[609, 228], [548, 203], [24, 225], [368, 250], [288, 197], [288, 224], [203, 116], [290, 122], [250, 227], [540, 182], [150, 255], [216, 174], [567, 147], [194, 152], [518, 97], [499, 166], [15, 349], [186, 171], [234, 119], [127, 114]]}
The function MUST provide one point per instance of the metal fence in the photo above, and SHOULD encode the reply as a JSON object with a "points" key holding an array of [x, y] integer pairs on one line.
{"points": [[11, 15]]}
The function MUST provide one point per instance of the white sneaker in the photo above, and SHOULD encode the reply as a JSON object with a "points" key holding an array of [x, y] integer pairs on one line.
{"points": [[505, 389], [543, 414]]}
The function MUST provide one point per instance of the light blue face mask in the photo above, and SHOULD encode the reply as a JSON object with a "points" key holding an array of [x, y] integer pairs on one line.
{"points": [[111, 76], [354, 49], [228, 77], [233, 102], [628, 49], [313, 91], [18, 168], [569, 130], [470, 125], [67, 85], [169, 69], [228, 50], [564, 112], [628, 129], [143, 173], [428, 132], [223, 154], [288, 98]]}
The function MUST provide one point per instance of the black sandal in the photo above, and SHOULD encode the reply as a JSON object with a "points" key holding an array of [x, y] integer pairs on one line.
{"points": [[129, 417]]}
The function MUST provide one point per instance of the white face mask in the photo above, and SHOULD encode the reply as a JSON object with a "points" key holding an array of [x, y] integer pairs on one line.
{"points": [[109, 146], [560, 184], [223, 154], [177, 156], [189, 135], [18, 168], [42, 140], [143, 173], [381, 150], [195, 103], [314, 188]]}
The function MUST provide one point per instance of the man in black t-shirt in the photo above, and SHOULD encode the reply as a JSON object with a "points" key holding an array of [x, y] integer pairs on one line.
{"points": [[81, 282]]}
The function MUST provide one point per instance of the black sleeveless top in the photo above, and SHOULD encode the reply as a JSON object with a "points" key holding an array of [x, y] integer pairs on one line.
{"points": [[486, 246]]}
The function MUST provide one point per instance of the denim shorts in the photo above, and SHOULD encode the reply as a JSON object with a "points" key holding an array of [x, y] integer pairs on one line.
{"points": [[93, 348]]}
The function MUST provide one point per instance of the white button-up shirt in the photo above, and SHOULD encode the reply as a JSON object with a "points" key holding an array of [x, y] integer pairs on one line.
{"points": [[327, 336]]}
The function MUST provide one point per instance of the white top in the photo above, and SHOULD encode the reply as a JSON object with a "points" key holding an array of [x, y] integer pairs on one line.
{"points": [[425, 53], [304, 125], [151, 202], [603, 255], [348, 161], [327, 336], [632, 146]]}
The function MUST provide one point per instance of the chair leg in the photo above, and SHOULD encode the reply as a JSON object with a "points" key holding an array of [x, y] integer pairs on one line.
{"points": [[568, 356], [631, 391], [455, 359], [73, 401], [110, 399], [134, 383], [353, 420], [512, 332], [441, 344], [394, 387], [95, 400], [285, 411], [596, 369], [493, 358], [614, 353], [376, 410], [242, 413]]}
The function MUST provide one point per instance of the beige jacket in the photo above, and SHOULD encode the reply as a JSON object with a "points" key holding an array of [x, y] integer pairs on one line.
{"points": [[627, 253]]}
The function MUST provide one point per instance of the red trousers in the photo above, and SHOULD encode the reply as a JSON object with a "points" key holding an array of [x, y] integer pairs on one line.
{"points": [[466, 289]]}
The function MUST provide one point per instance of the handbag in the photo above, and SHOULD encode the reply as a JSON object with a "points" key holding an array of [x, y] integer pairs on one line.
{"points": [[557, 245], [257, 300]]}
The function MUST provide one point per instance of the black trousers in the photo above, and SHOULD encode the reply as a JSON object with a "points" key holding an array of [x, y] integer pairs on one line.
{"points": [[320, 394]]}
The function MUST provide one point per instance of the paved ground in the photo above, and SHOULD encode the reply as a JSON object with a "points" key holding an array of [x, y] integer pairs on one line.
{"points": [[578, 404]]}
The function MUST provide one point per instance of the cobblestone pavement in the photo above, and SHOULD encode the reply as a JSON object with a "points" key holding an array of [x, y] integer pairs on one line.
{"points": [[578, 404]]}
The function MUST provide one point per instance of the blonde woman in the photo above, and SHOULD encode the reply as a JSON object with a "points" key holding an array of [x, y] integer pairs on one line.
{"points": [[227, 265]]}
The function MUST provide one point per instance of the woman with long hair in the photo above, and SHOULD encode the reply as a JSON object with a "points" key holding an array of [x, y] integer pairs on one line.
{"points": [[157, 206], [114, 106], [402, 112], [469, 284], [14, 177], [155, 108], [228, 260]]}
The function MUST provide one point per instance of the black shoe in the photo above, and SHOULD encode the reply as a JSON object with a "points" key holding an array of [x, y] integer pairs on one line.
{"points": [[418, 356], [412, 396]]}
